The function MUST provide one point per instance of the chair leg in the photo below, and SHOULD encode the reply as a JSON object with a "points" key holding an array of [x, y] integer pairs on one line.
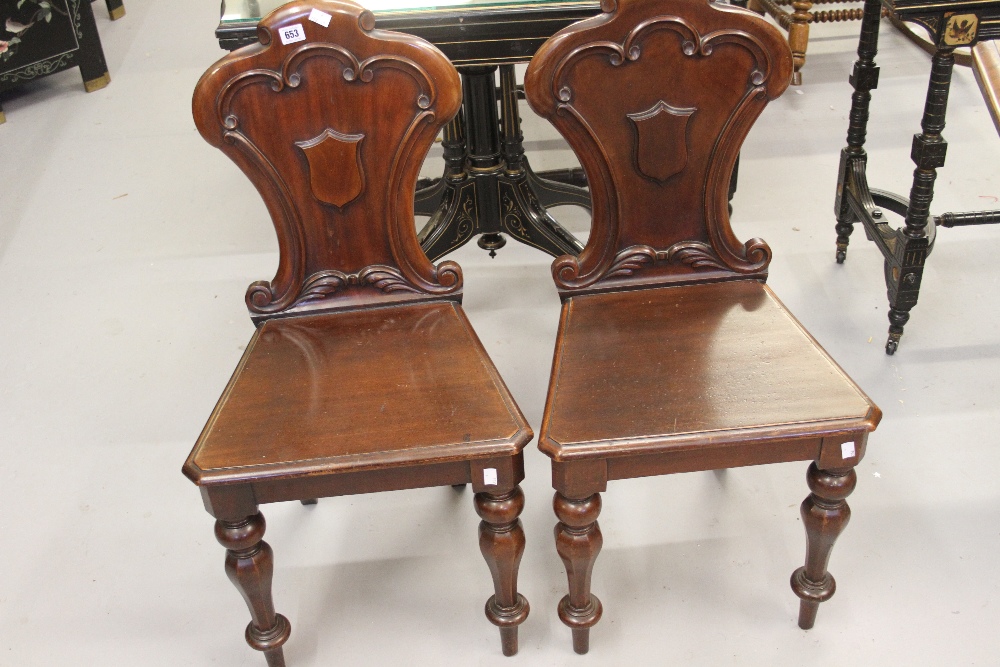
{"points": [[250, 565], [578, 541], [501, 539], [825, 514]]}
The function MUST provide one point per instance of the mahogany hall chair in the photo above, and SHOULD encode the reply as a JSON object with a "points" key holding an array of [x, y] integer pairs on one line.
{"points": [[672, 354], [364, 373]]}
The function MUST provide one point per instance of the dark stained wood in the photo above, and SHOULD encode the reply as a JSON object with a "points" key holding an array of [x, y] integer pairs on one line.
{"points": [[578, 541], [501, 539], [672, 355], [906, 248], [250, 566], [364, 373], [825, 514], [45, 38], [654, 224], [365, 108], [347, 390], [683, 367], [116, 9]]}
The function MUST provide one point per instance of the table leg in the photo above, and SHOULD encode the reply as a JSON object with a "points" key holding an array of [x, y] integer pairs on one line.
{"points": [[93, 67], [430, 191], [904, 271], [853, 158], [488, 187], [523, 215]]}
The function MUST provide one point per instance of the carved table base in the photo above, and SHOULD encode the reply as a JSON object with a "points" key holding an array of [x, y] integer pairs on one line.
{"points": [[487, 188]]}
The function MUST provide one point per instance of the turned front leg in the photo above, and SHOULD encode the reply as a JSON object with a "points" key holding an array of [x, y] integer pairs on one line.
{"points": [[578, 541], [250, 565], [825, 514], [501, 539]]}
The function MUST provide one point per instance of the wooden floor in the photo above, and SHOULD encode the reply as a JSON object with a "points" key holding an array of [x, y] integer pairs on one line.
{"points": [[123, 236]]}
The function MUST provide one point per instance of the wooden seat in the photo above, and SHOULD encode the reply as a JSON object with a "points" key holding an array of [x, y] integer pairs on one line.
{"points": [[364, 373], [340, 392], [672, 354]]}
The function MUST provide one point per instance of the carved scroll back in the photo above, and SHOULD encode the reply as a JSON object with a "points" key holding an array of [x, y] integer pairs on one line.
{"points": [[332, 130], [655, 97]]}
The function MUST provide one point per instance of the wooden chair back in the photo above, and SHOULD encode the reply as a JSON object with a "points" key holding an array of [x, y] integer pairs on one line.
{"points": [[656, 97], [331, 124]]}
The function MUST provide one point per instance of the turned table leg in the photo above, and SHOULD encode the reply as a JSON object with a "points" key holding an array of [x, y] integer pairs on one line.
{"points": [[501, 539], [928, 153], [250, 565], [825, 514], [863, 79], [578, 541]]}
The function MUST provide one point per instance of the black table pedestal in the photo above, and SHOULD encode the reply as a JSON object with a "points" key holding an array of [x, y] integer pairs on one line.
{"points": [[488, 188]]}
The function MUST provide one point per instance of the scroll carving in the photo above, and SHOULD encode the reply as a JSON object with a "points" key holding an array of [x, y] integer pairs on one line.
{"points": [[323, 284], [660, 152], [336, 177], [694, 254], [692, 44]]}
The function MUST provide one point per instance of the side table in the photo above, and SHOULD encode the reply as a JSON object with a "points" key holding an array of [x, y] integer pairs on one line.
{"points": [[905, 249]]}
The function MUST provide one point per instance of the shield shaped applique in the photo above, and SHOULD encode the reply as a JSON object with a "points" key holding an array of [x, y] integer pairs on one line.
{"points": [[661, 140], [335, 173]]}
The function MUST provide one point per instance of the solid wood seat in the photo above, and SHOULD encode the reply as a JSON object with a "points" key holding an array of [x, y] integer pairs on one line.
{"points": [[672, 355], [675, 368], [363, 374], [344, 391]]}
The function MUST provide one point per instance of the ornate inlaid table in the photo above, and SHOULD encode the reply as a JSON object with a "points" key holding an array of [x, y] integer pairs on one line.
{"points": [[488, 188], [952, 24]]}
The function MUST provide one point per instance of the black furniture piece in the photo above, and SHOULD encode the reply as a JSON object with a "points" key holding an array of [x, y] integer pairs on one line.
{"points": [[905, 249], [41, 37], [116, 8], [488, 188]]}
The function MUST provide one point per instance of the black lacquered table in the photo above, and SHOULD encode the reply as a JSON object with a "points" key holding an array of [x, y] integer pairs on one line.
{"points": [[952, 24], [488, 188]]}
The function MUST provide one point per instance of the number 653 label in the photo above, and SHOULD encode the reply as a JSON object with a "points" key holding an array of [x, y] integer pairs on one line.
{"points": [[292, 33]]}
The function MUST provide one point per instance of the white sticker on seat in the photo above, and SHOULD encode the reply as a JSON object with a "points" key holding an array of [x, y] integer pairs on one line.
{"points": [[490, 476], [847, 450]]}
